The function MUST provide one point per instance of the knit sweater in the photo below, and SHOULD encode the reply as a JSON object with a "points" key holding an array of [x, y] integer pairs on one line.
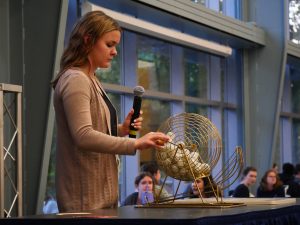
{"points": [[86, 166]]}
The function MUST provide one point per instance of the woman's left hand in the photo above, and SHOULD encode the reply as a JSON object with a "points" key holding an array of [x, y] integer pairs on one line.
{"points": [[137, 123]]}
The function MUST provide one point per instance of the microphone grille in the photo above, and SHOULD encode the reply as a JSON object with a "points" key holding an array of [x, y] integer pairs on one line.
{"points": [[138, 91]]}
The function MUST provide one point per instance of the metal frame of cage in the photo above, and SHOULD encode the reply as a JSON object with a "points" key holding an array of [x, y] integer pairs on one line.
{"points": [[13, 205], [228, 174]]}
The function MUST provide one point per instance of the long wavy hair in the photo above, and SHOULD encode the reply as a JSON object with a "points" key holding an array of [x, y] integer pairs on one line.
{"points": [[92, 25], [264, 184]]}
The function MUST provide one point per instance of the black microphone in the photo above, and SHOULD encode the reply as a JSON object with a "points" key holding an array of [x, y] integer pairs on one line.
{"points": [[138, 91]]}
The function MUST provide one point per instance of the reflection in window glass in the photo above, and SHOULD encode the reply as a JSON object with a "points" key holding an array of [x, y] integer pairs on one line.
{"points": [[296, 141], [202, 2], [224, 93], [296, 96], [153, 67], [193, 108], [50, 189], [230, 8], [277, 152], [294, 21], [116, 101], [195, 73], [290, 123], [295, 86], [154, 113], [111, 75], [206, 2], [221, 6]]}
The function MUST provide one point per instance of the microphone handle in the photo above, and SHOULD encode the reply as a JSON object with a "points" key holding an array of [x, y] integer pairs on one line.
{"points": [[137, 102]]}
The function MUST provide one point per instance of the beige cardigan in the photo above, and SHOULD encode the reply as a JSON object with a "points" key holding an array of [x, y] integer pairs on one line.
{"points": [[86, 167]]}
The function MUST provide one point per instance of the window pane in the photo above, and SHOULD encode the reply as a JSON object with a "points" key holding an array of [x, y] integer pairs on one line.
{"points": [[50, 189], [193, 108], [229, 8], [116, 101], [202, 2], [224, 90], [111, 75], [195, 72], [294, 22], [296, 141], [154, 113], [295, 86], [231, 78], [296, 96], [153, 67]]}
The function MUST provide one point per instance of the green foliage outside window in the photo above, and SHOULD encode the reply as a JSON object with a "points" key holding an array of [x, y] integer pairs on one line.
{"points": [[153, 70], [111, 75], [195, 72]]}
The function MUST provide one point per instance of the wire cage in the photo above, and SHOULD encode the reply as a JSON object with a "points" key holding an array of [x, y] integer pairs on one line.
{"points": [[194, 149]]}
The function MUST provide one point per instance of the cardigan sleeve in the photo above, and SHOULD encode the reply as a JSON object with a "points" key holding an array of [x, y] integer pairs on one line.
{"points": [[75, 93]]}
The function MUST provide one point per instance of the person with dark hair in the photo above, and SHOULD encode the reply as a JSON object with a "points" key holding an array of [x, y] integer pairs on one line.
{"points": [[207, 188], [297, 173], [89, 137], [270, 186], [144, 183], [287, 177], [248, 179], [152, 168], [288, 171]]}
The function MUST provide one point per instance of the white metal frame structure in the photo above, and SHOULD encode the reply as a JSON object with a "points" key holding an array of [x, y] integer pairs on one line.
{"points": [[161, 32], [11, 155]]}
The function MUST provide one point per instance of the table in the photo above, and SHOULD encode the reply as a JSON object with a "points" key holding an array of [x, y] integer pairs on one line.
{"points": [[284, 214]]}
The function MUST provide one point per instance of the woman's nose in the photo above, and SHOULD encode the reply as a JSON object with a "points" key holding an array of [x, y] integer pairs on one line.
{"points": [[114, 52]]}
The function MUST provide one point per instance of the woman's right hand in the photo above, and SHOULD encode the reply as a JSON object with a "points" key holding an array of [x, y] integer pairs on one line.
{"points": [[152, 139]]}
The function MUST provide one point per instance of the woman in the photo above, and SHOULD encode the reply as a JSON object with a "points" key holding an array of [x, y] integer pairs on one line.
{"points": [[270, 186], [87, 129], [207, 188], [153, 169], [248, 179], [144, 184]]}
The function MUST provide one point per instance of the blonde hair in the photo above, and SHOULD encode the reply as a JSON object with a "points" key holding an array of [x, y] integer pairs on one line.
{"points": [[92, 26]]}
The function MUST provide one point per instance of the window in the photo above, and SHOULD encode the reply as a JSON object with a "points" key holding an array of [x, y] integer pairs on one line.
{"points": [[289, 140], [296, 141], [294, 21], [153, 66], [193, 108], [195, 71], [112, 75], [229, 8], [155, 112]]}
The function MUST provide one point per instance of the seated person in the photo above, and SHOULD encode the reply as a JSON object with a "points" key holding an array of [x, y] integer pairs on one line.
{"points": [[288, 179], [144, 184], [248, 179], [152, 168], [206, 186], [50, 205], [297, 173], [270, 186]]}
